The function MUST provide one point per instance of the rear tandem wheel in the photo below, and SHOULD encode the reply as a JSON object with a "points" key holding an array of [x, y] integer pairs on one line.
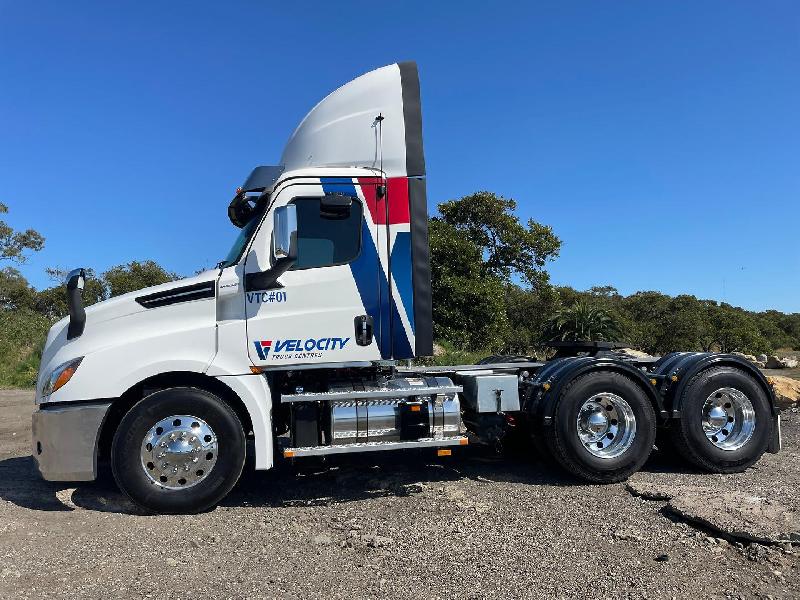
{"points": [[603, 427], [725, 423]]}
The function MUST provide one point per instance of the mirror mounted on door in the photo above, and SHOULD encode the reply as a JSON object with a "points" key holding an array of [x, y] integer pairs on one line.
{"points": [[284, 234], [284, 250], [335, 206]]}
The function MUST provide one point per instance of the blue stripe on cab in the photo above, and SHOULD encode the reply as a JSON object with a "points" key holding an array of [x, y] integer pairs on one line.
{"points": [[401, 273], [367, 271]]}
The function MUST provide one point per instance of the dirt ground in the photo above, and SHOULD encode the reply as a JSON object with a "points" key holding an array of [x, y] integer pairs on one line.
{"points": [[471, 526]]}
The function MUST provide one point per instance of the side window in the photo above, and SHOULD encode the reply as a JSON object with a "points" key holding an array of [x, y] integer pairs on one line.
{"points": [[325, 242]]}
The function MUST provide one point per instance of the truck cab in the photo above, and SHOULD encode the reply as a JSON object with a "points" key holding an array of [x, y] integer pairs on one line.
{"points": [[300, 341]]}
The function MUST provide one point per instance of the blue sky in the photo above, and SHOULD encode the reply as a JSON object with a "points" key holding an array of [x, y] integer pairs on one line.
{"points": [[660, 140]]}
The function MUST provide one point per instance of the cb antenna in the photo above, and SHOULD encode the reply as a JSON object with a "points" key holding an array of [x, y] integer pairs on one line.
{"points": [[379, 123]]}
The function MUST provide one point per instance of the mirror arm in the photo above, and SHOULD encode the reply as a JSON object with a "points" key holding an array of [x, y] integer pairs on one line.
{"points": [[268, 280]]}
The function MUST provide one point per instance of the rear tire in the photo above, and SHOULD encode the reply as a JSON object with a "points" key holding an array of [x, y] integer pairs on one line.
{"points": [[603, 428], [178, 450], [726, 421]]}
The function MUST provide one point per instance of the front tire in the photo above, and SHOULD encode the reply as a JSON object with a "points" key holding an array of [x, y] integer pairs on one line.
{"points": [[603, 428], [726, 421], [179, 450]]}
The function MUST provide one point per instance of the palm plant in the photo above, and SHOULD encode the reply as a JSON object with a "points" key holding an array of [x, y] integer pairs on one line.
{"points": [[582, 322]]}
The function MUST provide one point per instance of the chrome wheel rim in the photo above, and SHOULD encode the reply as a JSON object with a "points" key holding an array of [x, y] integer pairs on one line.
{"points": [[728, 419], [606, 425], [179, 452]]}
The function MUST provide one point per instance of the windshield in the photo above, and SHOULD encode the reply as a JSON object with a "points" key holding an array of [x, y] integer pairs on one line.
{"points": [[241, 241]]}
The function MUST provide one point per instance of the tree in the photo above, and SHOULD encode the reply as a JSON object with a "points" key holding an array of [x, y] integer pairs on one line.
{"points": [[583, 322], [135, 276], [507, 247], [468, 308], [14, 244], [736, 330], [15, 292], [477, 245]]}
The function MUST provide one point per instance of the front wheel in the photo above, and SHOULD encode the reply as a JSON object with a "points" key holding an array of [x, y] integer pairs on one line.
{"points": [[725, 423], [178, 450], [603, 428]]}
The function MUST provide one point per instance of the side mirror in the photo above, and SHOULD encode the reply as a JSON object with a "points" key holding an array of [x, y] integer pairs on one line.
{"points": [[284, 234], [335, 206], [284, 251]]}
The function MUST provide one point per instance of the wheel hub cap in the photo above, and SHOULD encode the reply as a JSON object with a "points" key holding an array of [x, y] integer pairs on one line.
{"points": [[179, 452], [606, 425], [728, 418]]}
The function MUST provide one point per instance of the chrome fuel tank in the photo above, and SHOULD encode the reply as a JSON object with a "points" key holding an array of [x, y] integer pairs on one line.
{"points": [[395, 419]]}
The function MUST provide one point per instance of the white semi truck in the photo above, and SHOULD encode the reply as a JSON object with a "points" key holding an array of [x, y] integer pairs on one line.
{"points": [[299, 343]]}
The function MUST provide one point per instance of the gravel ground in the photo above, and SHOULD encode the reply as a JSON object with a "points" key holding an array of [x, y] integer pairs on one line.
{"points": [[473, 525]]}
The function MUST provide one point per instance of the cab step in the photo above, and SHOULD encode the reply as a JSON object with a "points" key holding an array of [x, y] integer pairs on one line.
{"points": [[442, 442]]}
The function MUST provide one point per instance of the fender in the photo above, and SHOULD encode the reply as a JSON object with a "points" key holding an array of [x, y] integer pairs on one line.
{"points": [[551, 380], [686, 365]]}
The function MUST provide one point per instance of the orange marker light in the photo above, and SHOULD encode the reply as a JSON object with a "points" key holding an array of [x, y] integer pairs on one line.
{"points": [[288, 454], [65, 376], [443, 452], [463, 441], [416, 408]]}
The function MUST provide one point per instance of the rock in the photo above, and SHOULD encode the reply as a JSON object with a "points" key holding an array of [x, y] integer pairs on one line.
{"points": [[762, 358], [788, 362], [322, 540], [773, 362], [438, 350], [377, 541], [740, 516], [633, 353], [787, 391], [755, 360], [662, 558]]}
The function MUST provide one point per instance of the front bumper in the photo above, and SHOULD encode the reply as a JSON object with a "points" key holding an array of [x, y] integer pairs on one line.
{"points": [[65, 440]]}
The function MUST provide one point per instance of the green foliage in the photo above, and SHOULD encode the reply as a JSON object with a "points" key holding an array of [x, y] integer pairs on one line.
{"points": [[14, 244], [477, 246], [135, 276], [22, 334], [15, 293], [448, 353], [507, 247], [583, 321]]}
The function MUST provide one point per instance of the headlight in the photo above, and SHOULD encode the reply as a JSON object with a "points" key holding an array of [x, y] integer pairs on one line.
{"points": [[61, 375]]}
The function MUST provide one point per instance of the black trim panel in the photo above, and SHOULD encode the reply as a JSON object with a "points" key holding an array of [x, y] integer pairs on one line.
{"points": [[412, 118], [420, 268], [195, 291]]}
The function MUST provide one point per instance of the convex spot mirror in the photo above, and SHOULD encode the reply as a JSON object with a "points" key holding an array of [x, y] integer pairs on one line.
{"points": [[284, 235], [242, 209], [335, 206]]}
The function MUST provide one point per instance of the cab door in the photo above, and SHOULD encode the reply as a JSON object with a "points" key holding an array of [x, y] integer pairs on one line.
{"points": [[319, 310]]}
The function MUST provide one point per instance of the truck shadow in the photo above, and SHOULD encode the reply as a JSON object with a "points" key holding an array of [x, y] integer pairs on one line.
{"points": [[339, 480]]}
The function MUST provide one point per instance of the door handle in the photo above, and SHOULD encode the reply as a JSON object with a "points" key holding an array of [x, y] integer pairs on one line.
{"points": [[364, 330]]}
